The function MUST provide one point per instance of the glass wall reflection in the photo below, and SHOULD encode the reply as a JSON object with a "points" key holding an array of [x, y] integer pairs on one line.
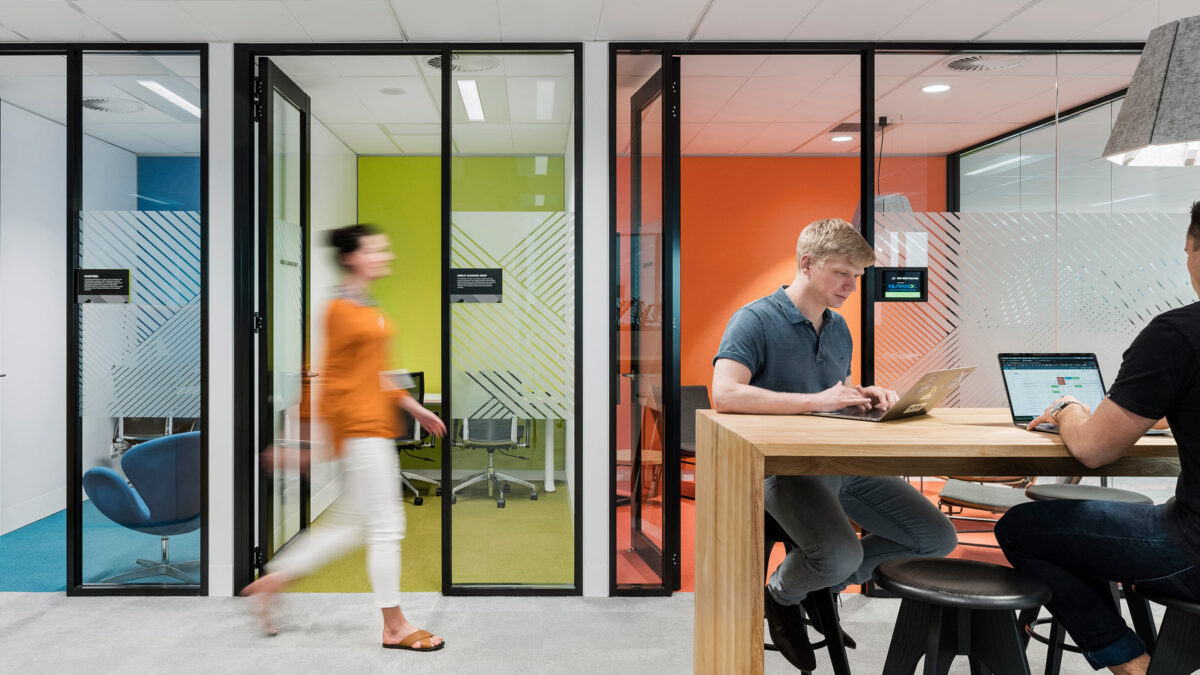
{"points": [[512, 324], [137, 286]]}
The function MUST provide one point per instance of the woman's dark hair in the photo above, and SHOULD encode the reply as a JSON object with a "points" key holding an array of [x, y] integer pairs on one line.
{"points": [[348, 238]]}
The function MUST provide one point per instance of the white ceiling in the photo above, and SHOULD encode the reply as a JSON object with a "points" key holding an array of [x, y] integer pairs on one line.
{"points": [[731, 104], [532, 20]]}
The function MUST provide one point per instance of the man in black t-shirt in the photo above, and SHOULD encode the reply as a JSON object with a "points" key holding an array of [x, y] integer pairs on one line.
{"points": [[1077, 547]]}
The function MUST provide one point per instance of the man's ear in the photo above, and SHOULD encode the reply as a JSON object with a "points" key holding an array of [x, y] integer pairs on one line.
{"points": [[806, 264]]}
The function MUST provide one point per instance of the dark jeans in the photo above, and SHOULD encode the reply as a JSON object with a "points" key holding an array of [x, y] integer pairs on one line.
{"points": [[1077, 547]]}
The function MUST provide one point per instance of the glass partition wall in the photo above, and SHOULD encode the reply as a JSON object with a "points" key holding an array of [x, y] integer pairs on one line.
{"points": [[136, 326], [467, 160]]}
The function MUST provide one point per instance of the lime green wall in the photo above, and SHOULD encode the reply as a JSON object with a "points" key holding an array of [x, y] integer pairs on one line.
{"points": [[402, 195]]}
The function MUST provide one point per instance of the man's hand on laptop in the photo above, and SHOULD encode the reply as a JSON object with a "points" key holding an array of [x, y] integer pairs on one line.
{"points": [[839, 397], [1050, 416], [881, 398]]}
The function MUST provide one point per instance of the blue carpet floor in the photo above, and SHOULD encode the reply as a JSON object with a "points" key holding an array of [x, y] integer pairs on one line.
{"points": [[34, 557]]}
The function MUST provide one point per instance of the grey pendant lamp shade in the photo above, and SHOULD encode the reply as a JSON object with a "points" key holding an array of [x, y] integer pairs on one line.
{"points": [[1159, 122]]}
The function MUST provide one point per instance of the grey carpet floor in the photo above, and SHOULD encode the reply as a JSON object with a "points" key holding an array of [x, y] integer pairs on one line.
{"points": [[50, 633]]}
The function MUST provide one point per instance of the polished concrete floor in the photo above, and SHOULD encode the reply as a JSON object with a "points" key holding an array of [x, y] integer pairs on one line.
{"points": [[48, 632]]}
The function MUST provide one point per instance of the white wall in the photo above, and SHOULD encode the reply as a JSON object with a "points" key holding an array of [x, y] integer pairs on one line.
{"points": [[334, 202], [33, 277], [33, 287], [596, 328]]}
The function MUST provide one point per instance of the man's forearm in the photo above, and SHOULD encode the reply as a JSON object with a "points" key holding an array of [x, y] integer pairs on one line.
{"points": [[745, 398], [1077, 436]]}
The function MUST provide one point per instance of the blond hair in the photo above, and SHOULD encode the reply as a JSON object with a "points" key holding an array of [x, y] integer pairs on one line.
{"points": [[830, 237]]}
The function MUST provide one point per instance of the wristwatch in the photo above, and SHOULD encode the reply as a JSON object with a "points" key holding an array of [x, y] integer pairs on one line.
{"points": [[1059, 408]]}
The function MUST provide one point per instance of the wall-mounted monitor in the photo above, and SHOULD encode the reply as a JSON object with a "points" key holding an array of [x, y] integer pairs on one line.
{"points": [[902, 284]]}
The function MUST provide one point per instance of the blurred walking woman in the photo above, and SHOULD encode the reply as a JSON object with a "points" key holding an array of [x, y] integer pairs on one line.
{"points": [[359, 406]]}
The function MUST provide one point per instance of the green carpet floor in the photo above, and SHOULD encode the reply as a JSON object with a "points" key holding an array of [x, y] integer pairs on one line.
{"points": [[527, 542]]}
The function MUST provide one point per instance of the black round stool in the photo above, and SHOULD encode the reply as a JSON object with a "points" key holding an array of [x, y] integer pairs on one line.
{"points": [[958, 607], [1139, 610], [1177, 651], [820, 605]]}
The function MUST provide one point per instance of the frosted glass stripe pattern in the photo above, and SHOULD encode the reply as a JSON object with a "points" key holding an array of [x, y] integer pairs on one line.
{"points": [[287, 296], [991, 289], [142, 359], [1025, 282], [516, 357]]}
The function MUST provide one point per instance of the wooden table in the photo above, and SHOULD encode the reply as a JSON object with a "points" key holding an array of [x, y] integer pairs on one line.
{"points": [[735, 452]]}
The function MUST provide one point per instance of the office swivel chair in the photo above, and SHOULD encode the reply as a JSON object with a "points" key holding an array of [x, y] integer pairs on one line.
{"points": [[414, 436], [161, 498], [691, 399], [494, 435]]}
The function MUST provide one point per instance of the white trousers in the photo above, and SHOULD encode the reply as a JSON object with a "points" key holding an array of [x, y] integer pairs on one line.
{"points": [[369, 507]]}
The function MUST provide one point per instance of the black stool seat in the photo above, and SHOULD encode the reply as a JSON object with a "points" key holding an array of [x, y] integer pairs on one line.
{"points": [[1053, 491], [1190, 606], [965, 584]]}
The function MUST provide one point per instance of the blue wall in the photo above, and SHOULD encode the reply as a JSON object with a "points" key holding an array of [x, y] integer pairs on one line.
{"points": [[168, 183]]}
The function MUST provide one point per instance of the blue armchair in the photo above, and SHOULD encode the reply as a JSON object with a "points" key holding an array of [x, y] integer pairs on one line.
{"points": [[162, 497]]}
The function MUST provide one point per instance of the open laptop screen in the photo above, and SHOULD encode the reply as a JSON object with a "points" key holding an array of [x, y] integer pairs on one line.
{"points": [[1034, 381]]}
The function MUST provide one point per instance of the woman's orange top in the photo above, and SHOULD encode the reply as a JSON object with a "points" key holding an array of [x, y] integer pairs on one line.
{"points": [[353, 400]]}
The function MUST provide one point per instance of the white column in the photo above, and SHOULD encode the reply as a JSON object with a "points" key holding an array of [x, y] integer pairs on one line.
{"points": [[219, 415], [596, 329]]}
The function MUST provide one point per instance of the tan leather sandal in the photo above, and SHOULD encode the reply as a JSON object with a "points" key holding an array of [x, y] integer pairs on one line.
{"points": [[412, 639]]}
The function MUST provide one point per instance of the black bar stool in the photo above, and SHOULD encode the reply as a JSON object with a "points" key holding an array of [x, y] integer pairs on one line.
{"points": [[1177, 651], [958, 607], [1139, 609], [822, 605]]}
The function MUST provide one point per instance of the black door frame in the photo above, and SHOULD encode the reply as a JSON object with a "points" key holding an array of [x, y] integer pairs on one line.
{"points": [[866, 51], [273, 80], [246, 555]]}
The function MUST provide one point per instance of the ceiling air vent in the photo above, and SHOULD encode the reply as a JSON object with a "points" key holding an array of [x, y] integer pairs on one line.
{"points": [[112, 105], [856, 127], [980, 62], [465, 63]]}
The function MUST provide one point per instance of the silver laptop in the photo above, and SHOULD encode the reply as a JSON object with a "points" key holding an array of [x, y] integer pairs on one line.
{"points": [[1034, 381], [922, 397]]}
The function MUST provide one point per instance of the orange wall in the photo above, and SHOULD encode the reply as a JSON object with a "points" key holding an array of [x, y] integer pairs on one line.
{"points": [[740, 220]]}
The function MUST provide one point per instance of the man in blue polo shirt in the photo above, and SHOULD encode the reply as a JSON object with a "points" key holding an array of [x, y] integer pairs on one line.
{"points": [[789, 353], [1076, 546]]}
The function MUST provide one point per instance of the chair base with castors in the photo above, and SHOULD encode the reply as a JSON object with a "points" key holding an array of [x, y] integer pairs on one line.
{"points": [[958, 608], [497, 488], [163, 567], [406, 478]]}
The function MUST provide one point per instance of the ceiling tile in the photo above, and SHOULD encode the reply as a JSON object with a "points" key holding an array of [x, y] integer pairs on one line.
{"points": [[51, 21], [953, 20], [720, 65], [184, 137], [566, 20], [1133, 23], [413, 129], [346, 20], [764, 99], [809, 66], [161, 21], [377, 66], [32, 65], [1062, 20], [703, 97], [461, 20], [753, 19], [421, 144], [723, 139], [779, 139], [853, 19], [493, 94], [523, 99], [549, 139], [414, 105], [301, 67], [641, 20], [364, 139], [537, 65], [247, 21], [482, 139], [7, 35]]}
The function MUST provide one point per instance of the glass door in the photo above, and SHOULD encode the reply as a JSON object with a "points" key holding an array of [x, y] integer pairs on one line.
{"points": [[647, 455], [283, 146]]}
